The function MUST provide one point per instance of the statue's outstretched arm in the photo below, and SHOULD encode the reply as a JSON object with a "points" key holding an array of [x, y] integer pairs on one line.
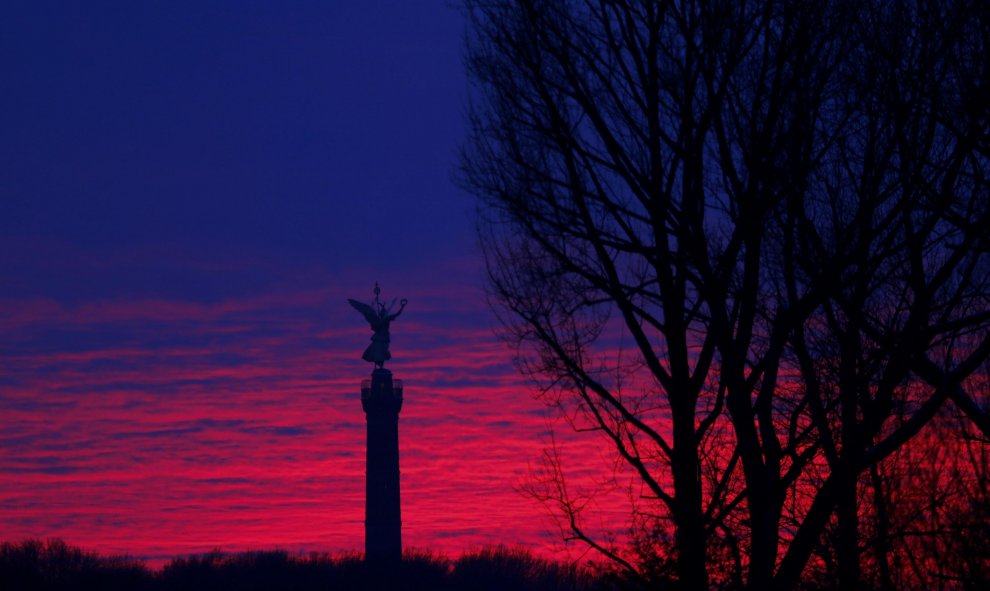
{"points": [[402, 306]]}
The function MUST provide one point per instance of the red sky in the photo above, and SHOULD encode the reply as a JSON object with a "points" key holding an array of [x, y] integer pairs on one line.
{"points": [[159, 427]]}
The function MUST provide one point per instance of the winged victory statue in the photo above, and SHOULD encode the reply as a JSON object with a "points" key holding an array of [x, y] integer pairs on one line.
{"points": [[379, 316]]}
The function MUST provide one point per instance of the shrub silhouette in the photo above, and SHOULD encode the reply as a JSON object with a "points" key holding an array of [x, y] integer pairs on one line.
{"points": [[497, 568], [53, 565]]}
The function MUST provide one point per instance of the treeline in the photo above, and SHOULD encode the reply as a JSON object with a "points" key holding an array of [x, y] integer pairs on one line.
{"points": [[36, 565]]}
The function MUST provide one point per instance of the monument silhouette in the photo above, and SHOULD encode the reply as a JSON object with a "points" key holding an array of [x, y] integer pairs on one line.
{"points": [[381, 398]]}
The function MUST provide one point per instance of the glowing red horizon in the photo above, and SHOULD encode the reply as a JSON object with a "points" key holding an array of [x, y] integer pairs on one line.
{"points": [[159, 428]]}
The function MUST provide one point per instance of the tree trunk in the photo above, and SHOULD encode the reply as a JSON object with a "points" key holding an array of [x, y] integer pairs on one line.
{"points": [[847, 551], [764, 518], [882, 545], [689, 524]]}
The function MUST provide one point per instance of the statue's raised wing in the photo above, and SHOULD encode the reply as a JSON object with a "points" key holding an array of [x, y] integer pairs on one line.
{"points": [[367, 311]]}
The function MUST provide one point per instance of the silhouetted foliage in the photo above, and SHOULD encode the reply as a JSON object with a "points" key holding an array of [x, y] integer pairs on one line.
{"points": [[498, 568], [33, 565], [53, 565]]}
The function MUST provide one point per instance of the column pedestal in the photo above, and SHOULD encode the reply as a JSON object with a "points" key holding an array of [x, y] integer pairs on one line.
{"points": [[381, 398]]}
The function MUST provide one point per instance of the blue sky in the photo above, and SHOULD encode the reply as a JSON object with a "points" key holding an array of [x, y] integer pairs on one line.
{"points": [[148, 146]]}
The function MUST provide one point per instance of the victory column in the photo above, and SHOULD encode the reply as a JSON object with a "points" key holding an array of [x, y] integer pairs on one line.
{"points": [[381, 398]]}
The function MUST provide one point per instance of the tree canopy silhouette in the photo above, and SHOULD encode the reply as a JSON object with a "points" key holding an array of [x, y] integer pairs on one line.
{"points": [[745, 242]]}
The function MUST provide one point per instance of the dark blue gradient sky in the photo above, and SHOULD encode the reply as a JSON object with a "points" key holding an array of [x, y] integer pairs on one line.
{"points": [[145, 145]]}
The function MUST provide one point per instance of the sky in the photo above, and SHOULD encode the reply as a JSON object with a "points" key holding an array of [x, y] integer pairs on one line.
{"points": [[189, 192]]}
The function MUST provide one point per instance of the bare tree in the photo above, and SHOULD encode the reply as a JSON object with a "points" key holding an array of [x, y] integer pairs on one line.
{"points": [[629, 157], [936, 504], [901, 233], [705, 221]]}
